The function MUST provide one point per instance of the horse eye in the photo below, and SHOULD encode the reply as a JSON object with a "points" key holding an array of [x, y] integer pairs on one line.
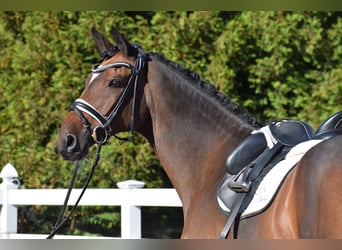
{"points": [[115, 83]]}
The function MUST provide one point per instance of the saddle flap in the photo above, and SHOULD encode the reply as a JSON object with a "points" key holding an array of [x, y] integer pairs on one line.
{"points": [[290, 133], [246, 152]]}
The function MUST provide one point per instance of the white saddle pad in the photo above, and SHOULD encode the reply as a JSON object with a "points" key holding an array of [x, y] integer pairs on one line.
{"points": [[272, 181]]}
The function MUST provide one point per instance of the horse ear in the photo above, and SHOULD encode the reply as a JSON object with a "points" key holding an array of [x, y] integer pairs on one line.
{"points": [[122, 43], [102, 43]]}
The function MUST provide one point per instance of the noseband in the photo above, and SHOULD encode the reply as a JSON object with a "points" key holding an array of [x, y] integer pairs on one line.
{"points": [[102, 133]]}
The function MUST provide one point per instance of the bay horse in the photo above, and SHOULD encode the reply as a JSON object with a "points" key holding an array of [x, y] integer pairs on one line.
{"points": [[192, 128]]}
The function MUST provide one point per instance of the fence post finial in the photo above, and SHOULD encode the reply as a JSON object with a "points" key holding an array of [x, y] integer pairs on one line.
{"points": [[130, 214], [8, 213]]}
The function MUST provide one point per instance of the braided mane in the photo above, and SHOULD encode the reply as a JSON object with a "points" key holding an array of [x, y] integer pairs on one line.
{"points": [[212, 91]]}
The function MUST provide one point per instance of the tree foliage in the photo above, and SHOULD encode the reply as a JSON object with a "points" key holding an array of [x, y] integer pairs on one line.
{"points": [[275, 64], [281, 64]]}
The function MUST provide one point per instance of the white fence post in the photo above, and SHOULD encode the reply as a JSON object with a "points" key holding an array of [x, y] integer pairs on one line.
{"points": [[8, 213], [130, 214]]}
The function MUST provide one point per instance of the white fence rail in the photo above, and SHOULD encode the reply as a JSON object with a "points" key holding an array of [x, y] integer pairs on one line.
{"points": [[130, 195]]}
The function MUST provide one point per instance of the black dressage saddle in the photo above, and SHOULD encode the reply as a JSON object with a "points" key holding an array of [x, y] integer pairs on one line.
{"points": [[254, 156]]}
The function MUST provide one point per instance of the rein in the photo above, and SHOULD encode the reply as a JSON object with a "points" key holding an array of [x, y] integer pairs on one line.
{"points": [[61, 218], [101, 133]]}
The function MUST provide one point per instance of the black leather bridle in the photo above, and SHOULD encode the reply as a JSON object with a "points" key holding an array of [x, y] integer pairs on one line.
{"points": [[102, 133]]}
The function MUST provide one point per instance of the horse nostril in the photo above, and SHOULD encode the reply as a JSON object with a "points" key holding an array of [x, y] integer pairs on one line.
{"points": [[71, 142]]}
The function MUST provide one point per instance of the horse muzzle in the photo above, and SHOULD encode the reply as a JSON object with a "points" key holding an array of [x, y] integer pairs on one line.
{"points": [[70, 147]]}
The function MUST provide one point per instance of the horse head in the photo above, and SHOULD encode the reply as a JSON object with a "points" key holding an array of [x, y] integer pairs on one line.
{"points": [[112, 100]]}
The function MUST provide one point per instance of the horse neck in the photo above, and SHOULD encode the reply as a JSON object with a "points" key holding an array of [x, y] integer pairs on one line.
{"points": [[192, 133]]}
